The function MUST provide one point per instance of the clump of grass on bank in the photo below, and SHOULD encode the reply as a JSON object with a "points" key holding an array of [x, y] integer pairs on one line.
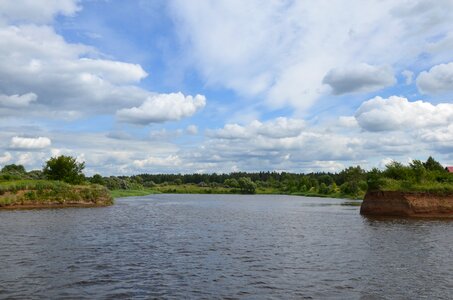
{"points": [[47, 192], [432, 187], [130, 193]]}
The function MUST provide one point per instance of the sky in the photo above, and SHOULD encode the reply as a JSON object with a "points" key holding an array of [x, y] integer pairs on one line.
{"points": [[178, 86]]}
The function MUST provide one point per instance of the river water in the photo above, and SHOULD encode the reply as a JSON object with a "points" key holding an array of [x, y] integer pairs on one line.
{"points": [[222, 247]]}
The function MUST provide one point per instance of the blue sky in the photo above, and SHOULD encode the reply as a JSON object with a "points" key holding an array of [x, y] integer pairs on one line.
{"points": [[219, 86]]}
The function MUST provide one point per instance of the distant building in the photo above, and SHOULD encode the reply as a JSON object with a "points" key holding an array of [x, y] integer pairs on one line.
{"points": [[449, 169]]}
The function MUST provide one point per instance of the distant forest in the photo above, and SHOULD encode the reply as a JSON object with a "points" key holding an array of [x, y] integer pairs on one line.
{"points": [[352, 182]]}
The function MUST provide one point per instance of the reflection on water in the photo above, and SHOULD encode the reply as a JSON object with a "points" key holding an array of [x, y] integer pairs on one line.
{"points": [[223, 246]]}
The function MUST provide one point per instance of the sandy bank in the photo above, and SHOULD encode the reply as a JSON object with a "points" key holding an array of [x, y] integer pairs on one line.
{"points": [[407, 204]]}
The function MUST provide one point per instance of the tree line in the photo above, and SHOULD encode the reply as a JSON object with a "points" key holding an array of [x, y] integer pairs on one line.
{"points": [[352, 181]]}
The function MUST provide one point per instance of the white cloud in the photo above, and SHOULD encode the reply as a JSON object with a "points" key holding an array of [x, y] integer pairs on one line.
{"points": [[35, 58], [17, 101], [440, 139], [278, 128], [149, 162], [6, 157], [26, 159], [164, 134], [347, 122], [30, 143], [192, 129], [359, 78], [280, 51], [397, 113], [36, 11], [162, 107], [409, 75], [439, 79]]}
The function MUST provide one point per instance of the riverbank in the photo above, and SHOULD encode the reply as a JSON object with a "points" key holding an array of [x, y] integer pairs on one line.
{"points": [[26, 194], [221, 190], [408, 204]]}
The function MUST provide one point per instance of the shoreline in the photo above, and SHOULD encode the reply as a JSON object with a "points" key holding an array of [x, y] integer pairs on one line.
{"points": [[52, 205], [407, 204]]}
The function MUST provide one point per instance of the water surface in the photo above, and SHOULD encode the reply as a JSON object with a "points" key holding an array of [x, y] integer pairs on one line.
{"points": [[222, 246]]}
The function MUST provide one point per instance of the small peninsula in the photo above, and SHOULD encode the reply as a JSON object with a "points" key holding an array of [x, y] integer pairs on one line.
{"points": [[407, 204], [417, 190], [61, 183]]}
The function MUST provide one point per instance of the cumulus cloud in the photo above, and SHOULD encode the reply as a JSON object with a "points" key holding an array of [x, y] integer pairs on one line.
{"points": [[408, 75], [30, 143], [397, 113], [5, 158], [347, 122], [162, 107], [171, 160], [285, 49], [359, 78], [278, 128], [35, 58], [17, 101], [192, 129], [439, 79], [37, 11]]}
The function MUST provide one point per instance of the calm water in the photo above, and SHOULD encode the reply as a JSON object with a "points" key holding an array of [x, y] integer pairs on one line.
{"points": [[211, 246]]}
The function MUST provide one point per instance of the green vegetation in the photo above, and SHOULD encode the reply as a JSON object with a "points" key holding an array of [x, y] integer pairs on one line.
{"points": [[19, 186], [352, 182], [130, 193], [429, 177], [47, 192], [60, 183], [64, 168]]}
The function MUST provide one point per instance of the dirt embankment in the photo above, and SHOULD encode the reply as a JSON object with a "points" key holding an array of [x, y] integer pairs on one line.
{"points": [[70, 197], [407, 204]]}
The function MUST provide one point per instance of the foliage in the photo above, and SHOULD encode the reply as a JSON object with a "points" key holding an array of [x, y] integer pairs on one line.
{"points": [[64, 168], [246, 185], [97, 179], [31, 192], [432, 165], [13, 169]]}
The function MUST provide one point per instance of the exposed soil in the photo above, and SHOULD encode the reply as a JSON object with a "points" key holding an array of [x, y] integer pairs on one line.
{"points": [[405, 204]]}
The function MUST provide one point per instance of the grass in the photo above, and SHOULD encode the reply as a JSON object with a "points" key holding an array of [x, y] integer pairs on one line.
{"points": [[196, 189], [129, 193], [427, 187], [45, 192]]}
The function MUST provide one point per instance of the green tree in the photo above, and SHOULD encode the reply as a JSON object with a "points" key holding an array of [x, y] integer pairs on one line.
{"points": [[246, 185], [396, 170], [418, 170], [19, 169], [433, 165], [64, 168], [97, 178], [375, 179], [231, 182]]}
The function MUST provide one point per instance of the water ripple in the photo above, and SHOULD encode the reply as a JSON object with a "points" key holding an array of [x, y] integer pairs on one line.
{"points": [[222, 247]]}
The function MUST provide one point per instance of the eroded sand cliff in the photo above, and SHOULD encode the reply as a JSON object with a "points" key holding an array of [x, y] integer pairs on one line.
{"points": [[407, 204]]}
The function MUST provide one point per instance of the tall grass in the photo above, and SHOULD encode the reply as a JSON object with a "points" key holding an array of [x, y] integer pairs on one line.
{"points": [[22, 192]]}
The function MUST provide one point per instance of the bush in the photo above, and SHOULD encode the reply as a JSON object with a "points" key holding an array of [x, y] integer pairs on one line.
{"points": [[64, 168], [246, 185]]}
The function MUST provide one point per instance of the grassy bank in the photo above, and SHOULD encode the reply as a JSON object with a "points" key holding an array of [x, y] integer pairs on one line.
{"points": [[36, 193], [432, 187], [134, 192], [196, 189]]}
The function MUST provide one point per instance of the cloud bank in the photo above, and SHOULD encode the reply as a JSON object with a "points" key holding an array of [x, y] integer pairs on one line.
{"points": [[438, 80], [360, 78], [30, 143], [397, 113], [161, 108]]}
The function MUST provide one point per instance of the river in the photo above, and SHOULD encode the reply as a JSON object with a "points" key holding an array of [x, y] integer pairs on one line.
{"points": [[222, 246]]}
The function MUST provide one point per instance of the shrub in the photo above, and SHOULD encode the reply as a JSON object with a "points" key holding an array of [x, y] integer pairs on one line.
{"points": [[64, 168]]}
